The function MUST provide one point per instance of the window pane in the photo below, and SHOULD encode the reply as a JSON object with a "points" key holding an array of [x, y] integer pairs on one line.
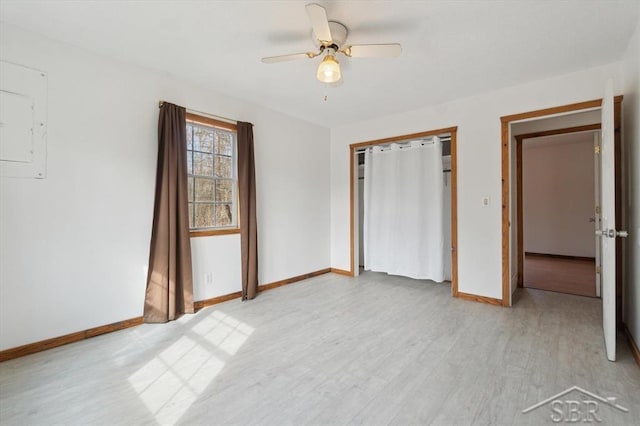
{"points": [[202, 164], [196, 139], [205, 139], [204, 215], [202, 139], [224, 143], [223, 215], [224, 167], [224, 190], [204, 190], [189, 136], [190, 189], [189, 162], [190, 215]]}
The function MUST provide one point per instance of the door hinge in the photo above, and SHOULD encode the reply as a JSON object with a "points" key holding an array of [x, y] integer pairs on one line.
{"points": [[598, 269], [597, 150]]}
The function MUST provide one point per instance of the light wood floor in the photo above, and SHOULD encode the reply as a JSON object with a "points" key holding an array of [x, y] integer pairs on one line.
{"points": [[332, 350], [572, 276]]}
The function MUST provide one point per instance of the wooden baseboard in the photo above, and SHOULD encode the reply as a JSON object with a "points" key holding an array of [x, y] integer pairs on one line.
{"points": [[341, 272], [560, 256], [481, 299], [54, 342], [632, 343], [215, 300], [264, 287], [293, 279], [96, 331]]}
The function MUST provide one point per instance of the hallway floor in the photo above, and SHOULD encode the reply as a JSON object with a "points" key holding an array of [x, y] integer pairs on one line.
{"points": [[571, 276]]}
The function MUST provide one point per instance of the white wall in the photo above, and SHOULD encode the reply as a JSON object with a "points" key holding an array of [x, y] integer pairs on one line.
{"points": [[558, 195], [478, 121], [74, 247], [631, 135]]}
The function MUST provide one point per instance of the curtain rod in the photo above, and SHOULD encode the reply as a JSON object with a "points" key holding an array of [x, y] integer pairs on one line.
{"points": [[443, 171], [206, 114], [403, 144]]}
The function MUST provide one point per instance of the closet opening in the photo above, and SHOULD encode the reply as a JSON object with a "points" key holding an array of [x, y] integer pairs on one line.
{"points": [[409, 212]]}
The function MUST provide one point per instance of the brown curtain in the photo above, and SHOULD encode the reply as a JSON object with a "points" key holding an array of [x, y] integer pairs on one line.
{"points": [[169, 282], [248, 225]]}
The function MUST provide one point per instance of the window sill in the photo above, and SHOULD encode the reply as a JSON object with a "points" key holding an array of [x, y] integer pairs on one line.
{"points": [[214, 232]]}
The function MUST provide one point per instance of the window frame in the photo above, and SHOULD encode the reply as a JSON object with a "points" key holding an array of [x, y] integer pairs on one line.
{"points": [[229, 127]]}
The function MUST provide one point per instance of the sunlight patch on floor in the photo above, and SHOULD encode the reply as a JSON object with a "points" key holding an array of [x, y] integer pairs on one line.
{"points": [[224, 331], [172, 381]]}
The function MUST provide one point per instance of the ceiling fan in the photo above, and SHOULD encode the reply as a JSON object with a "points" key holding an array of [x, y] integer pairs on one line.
{"points": [[329, 38]]}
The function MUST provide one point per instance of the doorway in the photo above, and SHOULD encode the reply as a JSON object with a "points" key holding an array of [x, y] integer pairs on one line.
{"points": [[447, 135], [509, 206], [557, 197]]}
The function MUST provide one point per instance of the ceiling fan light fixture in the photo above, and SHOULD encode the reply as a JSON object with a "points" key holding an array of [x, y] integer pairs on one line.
{"points": [[329, 70], [330, 38]]}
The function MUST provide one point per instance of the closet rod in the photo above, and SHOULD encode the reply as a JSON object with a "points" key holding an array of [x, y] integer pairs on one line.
{"points": [[206, 114]]}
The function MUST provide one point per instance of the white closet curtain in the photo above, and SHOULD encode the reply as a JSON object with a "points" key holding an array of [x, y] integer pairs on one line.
{"points": [[403, 215]]}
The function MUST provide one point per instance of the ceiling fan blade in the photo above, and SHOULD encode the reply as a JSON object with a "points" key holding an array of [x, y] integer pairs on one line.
{"points": [[319, 23], [373, 50], [283, 58]]}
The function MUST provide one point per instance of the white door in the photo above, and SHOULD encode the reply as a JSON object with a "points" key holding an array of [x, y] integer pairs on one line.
{"points": [[607, 231], [361, 214], [596, 209]]}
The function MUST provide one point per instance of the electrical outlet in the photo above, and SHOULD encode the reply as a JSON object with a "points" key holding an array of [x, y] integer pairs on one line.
{"points": [[486, 201], [208, 278]]}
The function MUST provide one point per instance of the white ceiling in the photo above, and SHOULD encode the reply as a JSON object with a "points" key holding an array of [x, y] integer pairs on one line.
{"points": [[451, 49]]}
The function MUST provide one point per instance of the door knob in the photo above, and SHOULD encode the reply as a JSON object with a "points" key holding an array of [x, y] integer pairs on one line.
{"points": [[611, 233], [592, 219]]}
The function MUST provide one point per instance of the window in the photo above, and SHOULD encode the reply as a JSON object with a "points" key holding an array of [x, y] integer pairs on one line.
{"points": [[212, 175]]}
